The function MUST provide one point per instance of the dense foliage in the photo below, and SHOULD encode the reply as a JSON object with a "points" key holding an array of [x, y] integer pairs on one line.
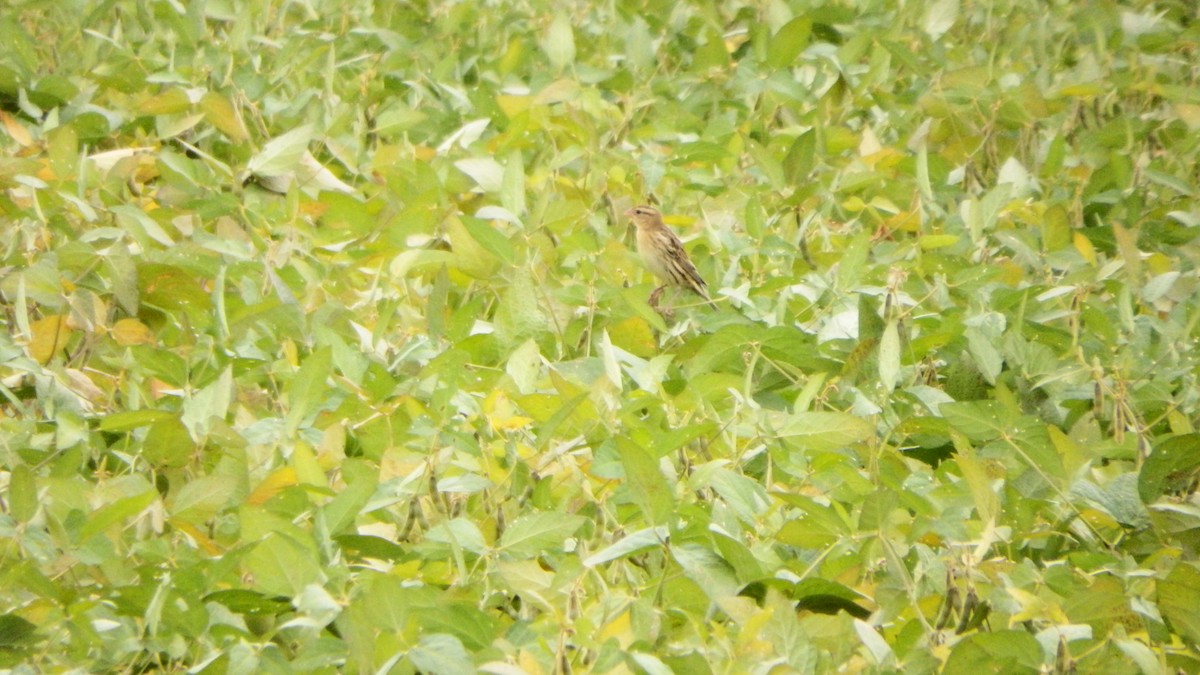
{"points": [[326, 348]]}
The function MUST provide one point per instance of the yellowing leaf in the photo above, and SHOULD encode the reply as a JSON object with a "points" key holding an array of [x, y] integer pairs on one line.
{"points": [[1085, 248], [620, 628], [128, 332], [513, 105], [50, 336], [168, 102], [635, 336], [930, 242], [470, 256], [282, 477], [16, 130], [196, 535], [304, 461], [221, 114], [1083, 90]]}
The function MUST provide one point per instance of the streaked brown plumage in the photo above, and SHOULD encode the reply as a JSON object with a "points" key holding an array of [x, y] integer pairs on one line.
{"points": [[663, 254]]}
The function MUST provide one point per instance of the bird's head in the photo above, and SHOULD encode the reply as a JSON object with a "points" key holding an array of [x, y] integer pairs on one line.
{"points": [[644, 216]]}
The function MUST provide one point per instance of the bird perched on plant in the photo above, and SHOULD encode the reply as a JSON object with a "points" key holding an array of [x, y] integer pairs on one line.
{"points": [[663, 254]]}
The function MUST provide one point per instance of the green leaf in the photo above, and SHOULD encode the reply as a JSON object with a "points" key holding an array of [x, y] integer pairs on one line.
{"points": [[645, 482], [491, 239], [1004, 651], [824, 431], [788, 42], [889, 356], [22, 493], [801, 157], [746, 497], [707, 569], [282, 154], [210, 402], [978, 420], [531, 534], [14, 630], [1178, 598], [819, 527], [475, 628], [366, 546], [308, 388], [512, 189], [1172, 467], [242, 601], [281, 567], [129, 420], [559, 43], [202, 498], [361, 481], [640, 540], [117, 512], [168, 442], [443, 654]]}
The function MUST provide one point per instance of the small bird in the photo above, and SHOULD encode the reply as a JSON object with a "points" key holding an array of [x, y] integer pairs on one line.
{"points": [[663, 254]]}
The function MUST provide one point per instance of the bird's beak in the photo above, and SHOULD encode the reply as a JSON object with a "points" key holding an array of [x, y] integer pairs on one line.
{"points": [[629, 213]]}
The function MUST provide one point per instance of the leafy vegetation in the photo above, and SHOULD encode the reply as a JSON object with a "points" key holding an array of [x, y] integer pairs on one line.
{"points": [[326, 347]]}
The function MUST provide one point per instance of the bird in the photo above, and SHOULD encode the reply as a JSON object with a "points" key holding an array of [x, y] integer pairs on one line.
{"points": [[663, 254]]}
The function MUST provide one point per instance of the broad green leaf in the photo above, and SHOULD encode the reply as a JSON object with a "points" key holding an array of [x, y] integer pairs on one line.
{"points": [[512, 189], [1005, 651], [441, 653], [201, 499], [889, 356], [470, 255], [819, 527], [979, 421], [281, 567], [212, 401], [168, 443], [242, 601], [823, 431], [559, 43], [15, 630], [645, 482], [853, 262], [476, 628], [640, 540], [531, 534], [22, 493], [881, 653], [800, 159], [282, 154], [459, 534], [738, 555], [986, 500], [827, 597], [366, 546], [1171, 467], [343, 510], [308, 388], [117, 512], [788, 42], [1178, 598], [746, 497], [492, 239], [703, 566], [487, 173]]}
